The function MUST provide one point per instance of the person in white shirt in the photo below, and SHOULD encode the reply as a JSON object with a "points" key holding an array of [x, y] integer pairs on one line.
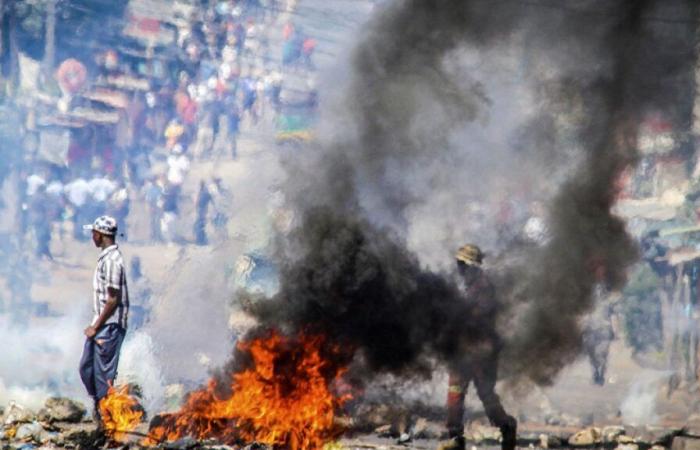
{"points": [[34, 181], [78, 192], [101, 188], [178, 166]]}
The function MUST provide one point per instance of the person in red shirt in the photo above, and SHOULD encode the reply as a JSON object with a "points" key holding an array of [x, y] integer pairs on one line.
{"points": [[307, 50], [185, 107], [287, 31]]}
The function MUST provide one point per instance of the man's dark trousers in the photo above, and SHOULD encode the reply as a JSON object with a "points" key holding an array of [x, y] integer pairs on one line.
{"points": [[483, 370], [98, 365]]}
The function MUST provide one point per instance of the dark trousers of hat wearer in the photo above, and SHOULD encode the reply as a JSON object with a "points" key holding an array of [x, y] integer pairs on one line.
{"points": [[98, 365], [484, 372]]}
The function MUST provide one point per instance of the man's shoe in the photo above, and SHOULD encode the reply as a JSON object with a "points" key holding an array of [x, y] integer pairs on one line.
{"points": [[97, 418], [98, 439], [455, 443], [599, 378], [509, 433]]}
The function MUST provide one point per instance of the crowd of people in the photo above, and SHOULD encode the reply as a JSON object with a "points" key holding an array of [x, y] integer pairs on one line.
{"points": [[222, 73]]}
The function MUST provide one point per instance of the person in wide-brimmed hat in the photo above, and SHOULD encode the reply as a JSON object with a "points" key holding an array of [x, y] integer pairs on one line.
{"points": [[481, 364]]}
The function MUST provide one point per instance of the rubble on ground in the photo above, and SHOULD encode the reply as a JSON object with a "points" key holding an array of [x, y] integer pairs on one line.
{"points": [[479, 434], [611, 433], [62, 423], [547, 436]]}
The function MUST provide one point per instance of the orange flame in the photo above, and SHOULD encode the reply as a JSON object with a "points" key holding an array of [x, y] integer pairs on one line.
{"points": [[121, 413], [284, 399]]}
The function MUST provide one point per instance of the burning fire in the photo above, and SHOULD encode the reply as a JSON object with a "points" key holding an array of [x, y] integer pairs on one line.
{"points": [[121, 413], [282, 399]]}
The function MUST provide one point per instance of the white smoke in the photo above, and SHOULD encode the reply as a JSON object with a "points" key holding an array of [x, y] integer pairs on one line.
{"points": [[640, 403], [138, 364], [457, 191], [28, 397], [192, 305], [41, 360]]}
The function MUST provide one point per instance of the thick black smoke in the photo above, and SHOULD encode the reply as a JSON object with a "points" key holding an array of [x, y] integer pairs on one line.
{"points": [[359, 286], [347, 275], [639, 70]]}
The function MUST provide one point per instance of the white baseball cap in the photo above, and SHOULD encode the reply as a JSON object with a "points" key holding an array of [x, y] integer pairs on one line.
{"points": [[103, 224]]}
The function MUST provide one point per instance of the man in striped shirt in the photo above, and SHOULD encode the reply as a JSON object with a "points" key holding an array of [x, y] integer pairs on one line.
{"points": [[104, 335]]}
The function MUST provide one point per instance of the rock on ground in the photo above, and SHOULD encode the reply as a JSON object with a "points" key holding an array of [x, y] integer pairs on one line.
{"points": [[586, 438], [685, 443], [59, 409], [17, 414]]}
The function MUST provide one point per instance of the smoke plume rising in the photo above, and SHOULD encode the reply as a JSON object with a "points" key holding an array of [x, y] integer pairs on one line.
{"points": [[556, 282], [346, 270]]}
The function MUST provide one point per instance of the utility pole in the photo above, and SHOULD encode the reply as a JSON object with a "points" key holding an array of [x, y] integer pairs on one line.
{"points": [[695, 127], [12, 44], [50, 46], [2, 43]]}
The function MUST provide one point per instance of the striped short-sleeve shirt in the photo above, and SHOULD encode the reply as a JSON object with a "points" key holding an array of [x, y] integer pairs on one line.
{"points": [[110, 273]]}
